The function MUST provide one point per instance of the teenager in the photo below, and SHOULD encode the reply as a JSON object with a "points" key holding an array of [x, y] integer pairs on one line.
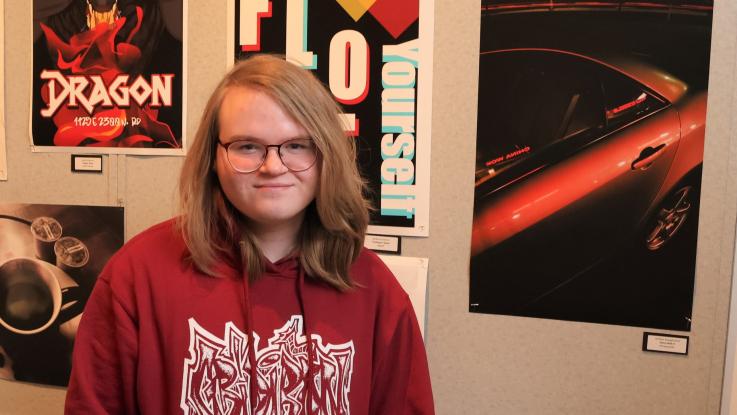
{"points": [[258, 298]]}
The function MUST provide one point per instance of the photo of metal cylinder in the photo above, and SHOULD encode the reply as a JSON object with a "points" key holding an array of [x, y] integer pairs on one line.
{"points": [[46, 231], [71, 254]]}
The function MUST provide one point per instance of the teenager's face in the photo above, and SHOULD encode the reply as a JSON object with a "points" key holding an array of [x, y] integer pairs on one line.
{"points": [[272, 195]]}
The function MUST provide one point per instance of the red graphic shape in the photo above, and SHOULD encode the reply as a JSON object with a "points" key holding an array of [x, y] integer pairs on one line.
{"points": [[70, 135], [396, 15], [257, 46]]}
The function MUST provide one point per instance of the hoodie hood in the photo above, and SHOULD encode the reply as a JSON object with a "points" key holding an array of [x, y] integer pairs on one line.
{"points": [[287, 267]]}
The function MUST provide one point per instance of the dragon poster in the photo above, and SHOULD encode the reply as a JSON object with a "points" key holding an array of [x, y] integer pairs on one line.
{"points": [[108, 76]]}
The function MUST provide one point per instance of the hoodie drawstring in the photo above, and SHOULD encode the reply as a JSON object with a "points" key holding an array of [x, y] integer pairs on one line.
{"points": [[309, 376], [248, 312]]}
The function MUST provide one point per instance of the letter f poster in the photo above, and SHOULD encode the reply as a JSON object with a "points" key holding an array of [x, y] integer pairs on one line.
{"points": [[375, 56], [108, 76]]}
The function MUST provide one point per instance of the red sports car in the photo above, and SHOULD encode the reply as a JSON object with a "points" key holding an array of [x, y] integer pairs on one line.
{"points": [[577, 154]]}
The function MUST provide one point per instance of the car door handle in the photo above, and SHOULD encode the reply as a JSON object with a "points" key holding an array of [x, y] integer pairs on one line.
{"points": [[647, 157]]}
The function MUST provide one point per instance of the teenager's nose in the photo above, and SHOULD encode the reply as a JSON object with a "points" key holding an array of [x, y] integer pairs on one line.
{"points": [[272, 163]]}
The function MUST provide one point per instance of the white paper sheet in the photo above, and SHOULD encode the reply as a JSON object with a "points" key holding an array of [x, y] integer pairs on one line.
{"points": [[412, 275]]}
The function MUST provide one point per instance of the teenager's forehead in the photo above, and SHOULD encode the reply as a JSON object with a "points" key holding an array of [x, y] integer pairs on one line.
{"points": [[251, 114]]}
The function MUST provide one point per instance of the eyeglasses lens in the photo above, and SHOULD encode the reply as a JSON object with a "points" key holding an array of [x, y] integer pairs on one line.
{"points": [[248, 156]]}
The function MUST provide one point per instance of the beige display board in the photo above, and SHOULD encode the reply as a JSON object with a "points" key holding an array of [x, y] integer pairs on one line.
{"points": [[3, 156], [729, 389], [480, 364]]}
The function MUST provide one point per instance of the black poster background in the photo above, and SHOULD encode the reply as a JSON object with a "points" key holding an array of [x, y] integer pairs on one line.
{"points": [[159, 39], [45, 357], [588, 258], [324, 20]]}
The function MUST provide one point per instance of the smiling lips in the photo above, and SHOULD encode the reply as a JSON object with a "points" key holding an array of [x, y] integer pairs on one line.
{"points": [[273, 186]]}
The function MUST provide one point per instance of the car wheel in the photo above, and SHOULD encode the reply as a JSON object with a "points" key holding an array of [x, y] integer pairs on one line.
{"points": [[670, 217]]}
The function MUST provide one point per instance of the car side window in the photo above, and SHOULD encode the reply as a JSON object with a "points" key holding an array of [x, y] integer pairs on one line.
{"points": [[625, 99], [532, 101], [584, 110]]}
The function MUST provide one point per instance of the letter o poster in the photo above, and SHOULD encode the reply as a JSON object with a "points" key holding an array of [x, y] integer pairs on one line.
{"points": [[375, 56], [108, 77]]}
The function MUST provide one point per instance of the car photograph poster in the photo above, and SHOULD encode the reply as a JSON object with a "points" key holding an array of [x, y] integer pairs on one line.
{"points": [[108, 76], [50, 257], [590, 140], [376, 59]]}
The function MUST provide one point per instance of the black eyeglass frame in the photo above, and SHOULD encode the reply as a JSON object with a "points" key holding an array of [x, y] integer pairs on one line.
{"points": [[266, 154]]}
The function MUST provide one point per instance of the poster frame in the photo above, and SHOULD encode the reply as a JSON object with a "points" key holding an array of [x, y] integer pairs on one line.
{"points": [[182, 151]]}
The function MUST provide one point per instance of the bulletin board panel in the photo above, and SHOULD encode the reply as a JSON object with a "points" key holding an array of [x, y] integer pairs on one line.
{"points": [[480, 364]]}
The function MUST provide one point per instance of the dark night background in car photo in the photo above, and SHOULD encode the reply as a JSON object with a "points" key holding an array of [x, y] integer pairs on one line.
{"points": [[589, 153]]}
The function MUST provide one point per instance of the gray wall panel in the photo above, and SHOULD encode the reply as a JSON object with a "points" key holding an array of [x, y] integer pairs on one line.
{"points": [[480, 364]]}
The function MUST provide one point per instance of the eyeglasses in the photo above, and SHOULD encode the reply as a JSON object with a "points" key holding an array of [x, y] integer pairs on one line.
{"points": [[247, 156]]}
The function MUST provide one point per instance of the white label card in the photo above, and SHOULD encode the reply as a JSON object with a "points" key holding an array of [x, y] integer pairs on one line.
{"points": [[86, 163], [665, 343], [383, 243]]}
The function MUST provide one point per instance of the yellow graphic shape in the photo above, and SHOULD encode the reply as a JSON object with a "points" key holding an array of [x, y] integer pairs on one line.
{"points": [[356, 8]]}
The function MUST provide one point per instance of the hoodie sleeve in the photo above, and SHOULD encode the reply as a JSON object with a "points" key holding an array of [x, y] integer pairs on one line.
{"points": [[401, 381], [105, 355]]}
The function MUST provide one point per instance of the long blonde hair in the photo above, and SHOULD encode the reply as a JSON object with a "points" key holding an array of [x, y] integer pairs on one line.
{"points": [[335, 222]]}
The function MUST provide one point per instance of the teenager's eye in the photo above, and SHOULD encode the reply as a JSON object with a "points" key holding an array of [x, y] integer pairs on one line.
{"points": [[245, 147], [295, 146], [298, 146]]}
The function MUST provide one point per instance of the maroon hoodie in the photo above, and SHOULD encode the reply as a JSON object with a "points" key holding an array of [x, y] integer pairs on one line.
{"points": [[159, 337]]}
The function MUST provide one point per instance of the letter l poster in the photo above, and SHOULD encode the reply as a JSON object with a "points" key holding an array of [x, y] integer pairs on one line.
{"points": [[375, 56]]}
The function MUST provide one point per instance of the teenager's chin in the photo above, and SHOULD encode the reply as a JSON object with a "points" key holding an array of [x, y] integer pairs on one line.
{"points": [[272, 218]]}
